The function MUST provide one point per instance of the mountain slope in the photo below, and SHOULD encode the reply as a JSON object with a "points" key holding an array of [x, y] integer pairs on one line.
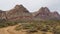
{"points": [[18, 12], [45, 13]]}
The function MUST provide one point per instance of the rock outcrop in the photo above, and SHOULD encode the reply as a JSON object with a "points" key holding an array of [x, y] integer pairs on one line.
{"points": [[2, 14]]}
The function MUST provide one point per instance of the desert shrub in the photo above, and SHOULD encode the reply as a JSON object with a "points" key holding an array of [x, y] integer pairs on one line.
{"points": [[25, 26], [56, 30], [33, 26], [46, 26], [4, 23], [32, 30], [2, 20]]}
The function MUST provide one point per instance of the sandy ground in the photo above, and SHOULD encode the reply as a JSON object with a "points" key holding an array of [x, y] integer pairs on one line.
{"points": [[10, 30]]}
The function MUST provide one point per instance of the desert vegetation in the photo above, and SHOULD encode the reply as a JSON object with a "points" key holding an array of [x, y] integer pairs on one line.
{"points": [[33, 26]]}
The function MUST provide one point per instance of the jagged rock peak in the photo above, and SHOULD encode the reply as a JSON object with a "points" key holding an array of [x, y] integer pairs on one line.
{"points": [[56, 13], [44, 9], [19, 6]]}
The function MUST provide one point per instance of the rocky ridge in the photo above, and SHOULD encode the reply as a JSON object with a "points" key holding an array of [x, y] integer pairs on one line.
{"points": [[20, 12]]}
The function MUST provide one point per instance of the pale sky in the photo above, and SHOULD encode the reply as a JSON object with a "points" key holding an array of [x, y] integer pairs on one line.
{"points": [[31, 5]]}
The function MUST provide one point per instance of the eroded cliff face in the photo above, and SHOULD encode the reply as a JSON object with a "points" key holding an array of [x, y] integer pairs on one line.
{"points": [[2, 14]]}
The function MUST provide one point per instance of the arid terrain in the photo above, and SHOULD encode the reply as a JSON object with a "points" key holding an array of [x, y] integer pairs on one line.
{"points": [[19, 20], [11, 30]]}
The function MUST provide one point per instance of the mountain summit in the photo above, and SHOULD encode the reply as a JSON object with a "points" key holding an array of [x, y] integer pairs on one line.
{"points": [[44, 9], [45, 13], [20, 8], [19, 11]]}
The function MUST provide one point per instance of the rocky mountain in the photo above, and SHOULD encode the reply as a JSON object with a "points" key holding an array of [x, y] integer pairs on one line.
{"points": [[20, 12], [45, 13]]}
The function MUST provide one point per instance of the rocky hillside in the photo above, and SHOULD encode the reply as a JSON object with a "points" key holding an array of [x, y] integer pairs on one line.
{"points": [[20, 12], [45, 13], [2, 14]]}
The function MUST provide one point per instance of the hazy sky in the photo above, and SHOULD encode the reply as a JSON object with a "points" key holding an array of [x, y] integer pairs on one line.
{"points": [[31, 5]]}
